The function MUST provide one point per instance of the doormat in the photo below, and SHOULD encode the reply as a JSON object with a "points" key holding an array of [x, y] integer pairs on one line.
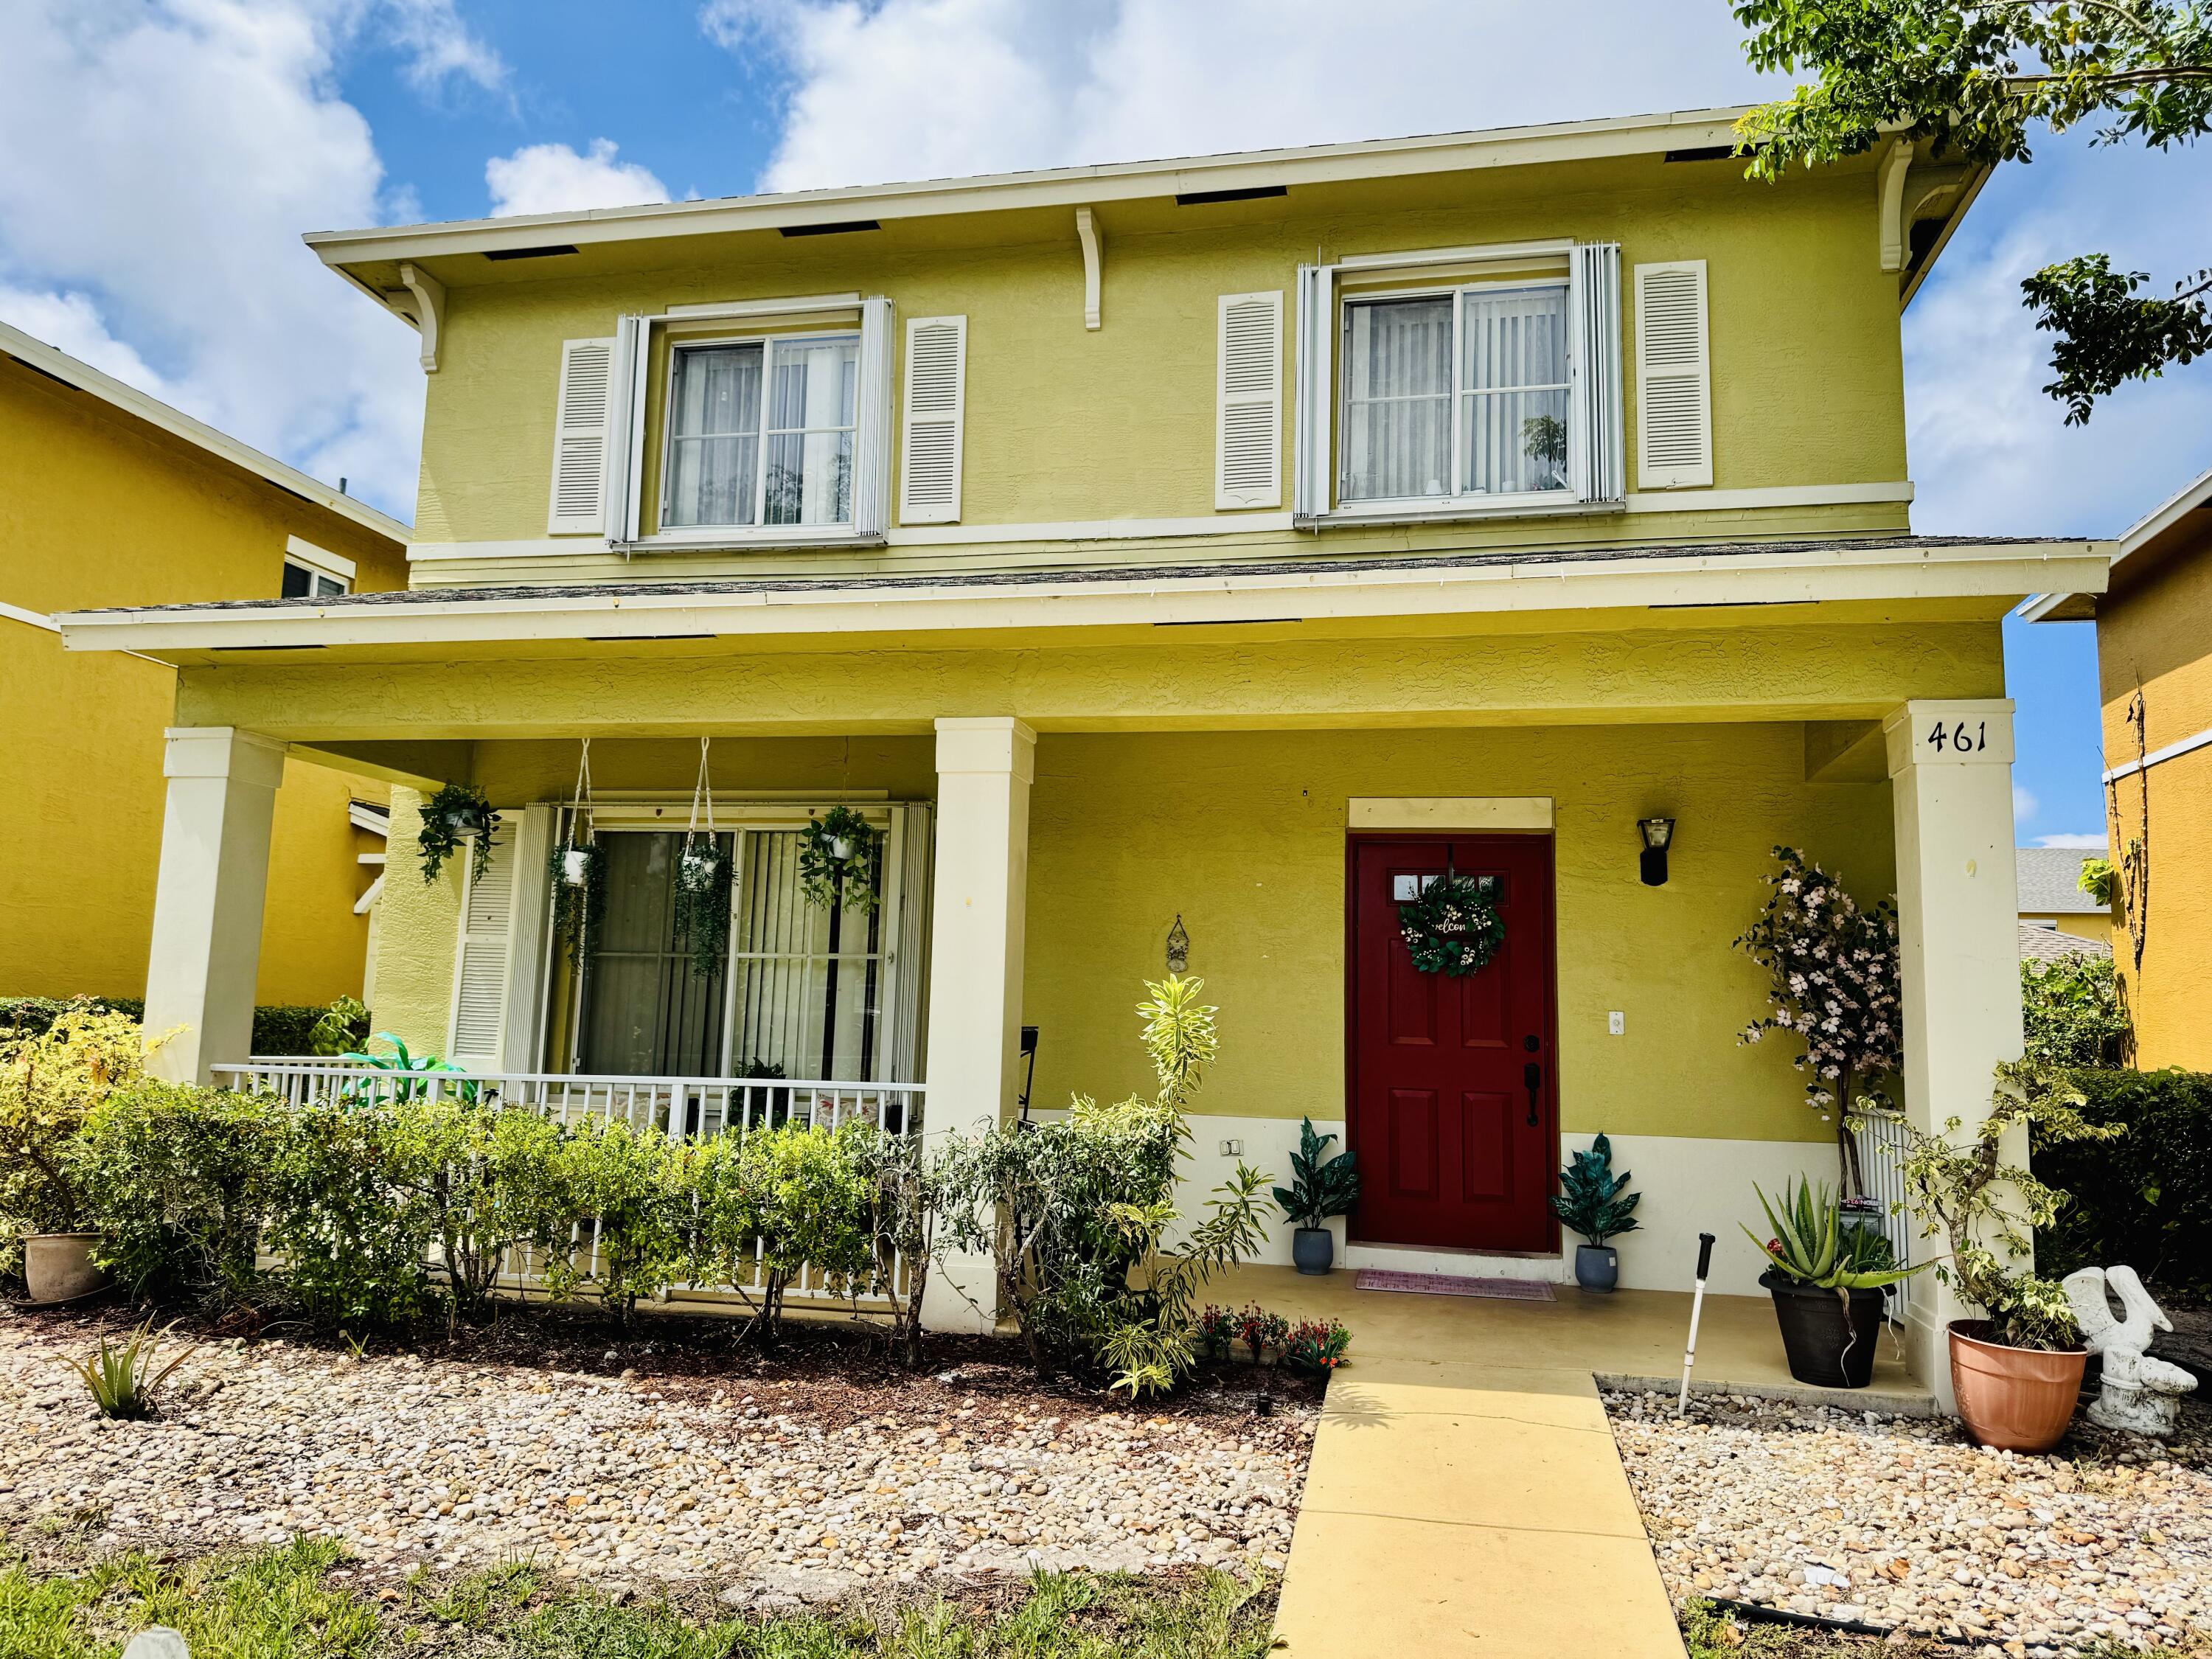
{"points": [[1499, 1290]]}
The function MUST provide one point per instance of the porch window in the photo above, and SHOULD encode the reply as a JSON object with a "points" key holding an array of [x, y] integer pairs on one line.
{"points": [[645, 1012], [1460, 393], [761, 432]]}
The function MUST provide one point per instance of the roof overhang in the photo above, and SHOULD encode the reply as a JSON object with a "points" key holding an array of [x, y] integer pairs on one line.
{"points": [[1717, 580], [2164, 530]]}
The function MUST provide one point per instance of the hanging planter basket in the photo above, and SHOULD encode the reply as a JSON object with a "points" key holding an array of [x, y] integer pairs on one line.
{"points": [[837, 859], [577, 870], [702, 883], [457, 813], [1452, 928]]}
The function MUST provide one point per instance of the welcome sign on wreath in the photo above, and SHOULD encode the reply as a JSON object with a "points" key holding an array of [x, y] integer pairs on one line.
{"points": [[1452, 928]]}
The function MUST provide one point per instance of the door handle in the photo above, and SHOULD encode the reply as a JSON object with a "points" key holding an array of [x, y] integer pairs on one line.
{"points": [[1533, 1075]]}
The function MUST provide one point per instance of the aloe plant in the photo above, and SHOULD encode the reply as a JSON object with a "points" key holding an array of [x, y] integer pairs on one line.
{"points": [[1810, 1243], [122, 1378]]}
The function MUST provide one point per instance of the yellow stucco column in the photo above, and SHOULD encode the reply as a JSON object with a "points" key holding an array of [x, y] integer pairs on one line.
{"points": [[208, 898], [984, 768], [1950, 769]]}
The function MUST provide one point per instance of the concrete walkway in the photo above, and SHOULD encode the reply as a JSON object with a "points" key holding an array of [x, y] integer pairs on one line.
{"points": [[1465, 1497]]}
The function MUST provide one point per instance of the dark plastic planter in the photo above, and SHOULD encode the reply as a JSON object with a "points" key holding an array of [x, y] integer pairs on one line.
{"points": [[1825, 1348], [1312, 1249], [1597, 1267]]}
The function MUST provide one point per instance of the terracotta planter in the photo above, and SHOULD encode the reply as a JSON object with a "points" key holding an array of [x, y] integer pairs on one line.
{"points": [[58, 1266], [2013, 1398]]}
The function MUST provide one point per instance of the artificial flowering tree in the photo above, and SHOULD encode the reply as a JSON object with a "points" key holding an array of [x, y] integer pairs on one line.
{"points": [[1833, 987]]}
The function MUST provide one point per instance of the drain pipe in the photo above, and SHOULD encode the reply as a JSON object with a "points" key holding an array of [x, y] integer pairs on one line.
{"points": [[1696, 1311]]}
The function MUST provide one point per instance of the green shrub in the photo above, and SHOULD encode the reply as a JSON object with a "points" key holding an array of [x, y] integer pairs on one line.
{"points": [[631, 1181], [2143, 1200], [489, 1179], [177, 1179], [348, 1214], [51, 1080], [800, 1196], [31, 1015], [280, 1029], [2071, 1011]]}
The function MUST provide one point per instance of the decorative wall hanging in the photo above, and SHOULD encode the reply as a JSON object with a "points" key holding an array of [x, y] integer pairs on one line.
{"points": [[702, 882], [577, 868], [837, 860], [1452, 927], [456, 813]]}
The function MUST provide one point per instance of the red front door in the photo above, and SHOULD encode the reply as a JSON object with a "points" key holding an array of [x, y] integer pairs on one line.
{"points": [[1452, 1091]]}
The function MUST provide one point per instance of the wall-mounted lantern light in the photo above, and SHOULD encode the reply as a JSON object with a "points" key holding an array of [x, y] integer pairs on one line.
{"points": [[1178, 947], [1657, 834]]}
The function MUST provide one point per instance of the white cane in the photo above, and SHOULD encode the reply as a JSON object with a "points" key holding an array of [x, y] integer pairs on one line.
{"points": [[1697, 1310]]}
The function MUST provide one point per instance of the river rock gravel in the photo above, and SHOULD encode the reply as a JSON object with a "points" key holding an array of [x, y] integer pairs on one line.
{"points": [[635, 1480], [1901, 1523]]}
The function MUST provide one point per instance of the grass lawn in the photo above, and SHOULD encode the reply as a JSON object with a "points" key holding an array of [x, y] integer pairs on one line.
{"points": [[288, 1603]]}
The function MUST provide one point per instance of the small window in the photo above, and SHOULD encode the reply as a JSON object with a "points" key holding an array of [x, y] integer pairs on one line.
{"points": [[760, 432], [303, 582], [1455, 395]]}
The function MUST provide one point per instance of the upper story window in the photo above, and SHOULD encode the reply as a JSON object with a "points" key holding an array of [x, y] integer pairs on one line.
{"points": [[761, 432], [1458, 394], [314, 573], [1472, 393]]}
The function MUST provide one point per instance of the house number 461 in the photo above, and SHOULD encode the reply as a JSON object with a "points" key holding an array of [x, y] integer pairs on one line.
{"points": [[1965, 738]]}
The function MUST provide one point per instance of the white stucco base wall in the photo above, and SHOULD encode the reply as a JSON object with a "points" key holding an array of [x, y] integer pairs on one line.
{"points": [[1690, 1185]]}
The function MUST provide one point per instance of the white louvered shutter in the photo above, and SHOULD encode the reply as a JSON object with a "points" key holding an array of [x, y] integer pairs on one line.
{"points": [[581, 433], [936, 389], [1317, 347], [871, 442], [480, 977], [1249, 430], [1596, 452], [1674, 378]]}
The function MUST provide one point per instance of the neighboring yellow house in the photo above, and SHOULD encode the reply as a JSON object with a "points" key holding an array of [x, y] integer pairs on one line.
{"points": [[2154, 665], [1219, 548], [110, 497], [2051, 894]]}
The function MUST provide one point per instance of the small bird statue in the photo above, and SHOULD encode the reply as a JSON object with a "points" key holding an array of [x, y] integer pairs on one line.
{"points": [[2140, 1394]]}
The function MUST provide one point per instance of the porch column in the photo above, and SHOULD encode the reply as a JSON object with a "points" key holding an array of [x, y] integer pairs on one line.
{"points": [[1950, 769], [207, 901], [981, 884]]}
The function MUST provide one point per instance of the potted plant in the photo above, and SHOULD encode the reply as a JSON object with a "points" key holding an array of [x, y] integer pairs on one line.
{"points": [[837, 860], [2017, 1372], [1320, 1187], [50, 1083], [1593, 1202], [1827, 1280], [457, 812]]}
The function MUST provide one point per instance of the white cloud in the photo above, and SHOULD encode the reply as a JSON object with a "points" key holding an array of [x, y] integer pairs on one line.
{"points": [[922, 88], [158, 162], [554, 178], [440, 47], [2085, 843], [2023, 804]]}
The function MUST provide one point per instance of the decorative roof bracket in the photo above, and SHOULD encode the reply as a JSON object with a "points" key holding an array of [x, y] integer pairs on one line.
{"points": [[429, 310], [1891, 205], [1094, 258]]}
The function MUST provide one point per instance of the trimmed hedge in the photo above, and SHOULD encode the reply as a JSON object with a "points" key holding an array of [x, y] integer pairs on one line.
{"points": [[2143, 1198], [281, 1028]]}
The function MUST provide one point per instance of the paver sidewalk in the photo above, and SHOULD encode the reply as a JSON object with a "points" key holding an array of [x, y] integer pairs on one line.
{"points": [[1455, 1508]]}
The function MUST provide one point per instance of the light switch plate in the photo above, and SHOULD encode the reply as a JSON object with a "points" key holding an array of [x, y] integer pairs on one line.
{"points": [[1616, 1022], [1232, 1149]]}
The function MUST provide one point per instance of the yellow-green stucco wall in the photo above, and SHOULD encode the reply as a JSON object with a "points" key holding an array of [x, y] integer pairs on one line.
{"points": [[98, 507], [1068, 425]]}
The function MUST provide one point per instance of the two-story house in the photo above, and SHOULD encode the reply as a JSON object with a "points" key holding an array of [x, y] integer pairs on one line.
{"points": [[1183, 561]]}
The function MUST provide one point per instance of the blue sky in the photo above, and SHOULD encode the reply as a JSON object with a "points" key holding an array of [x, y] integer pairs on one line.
{"points": [[159, 158]]}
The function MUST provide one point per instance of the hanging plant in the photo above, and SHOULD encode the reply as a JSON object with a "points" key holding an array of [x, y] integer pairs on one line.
{"points": [[451, 815], [576, 869], [702, 883], [1452, 927], [838, 855]]}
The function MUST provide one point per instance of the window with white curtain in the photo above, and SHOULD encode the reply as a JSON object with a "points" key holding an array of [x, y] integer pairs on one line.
{"points": [[1456, 393], [761, 432]]}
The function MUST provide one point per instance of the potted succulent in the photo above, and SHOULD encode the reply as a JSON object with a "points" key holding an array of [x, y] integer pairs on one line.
{"points": [[1828, 1284], [2017, 1372], [1593, 1202], [1320, 1187]]}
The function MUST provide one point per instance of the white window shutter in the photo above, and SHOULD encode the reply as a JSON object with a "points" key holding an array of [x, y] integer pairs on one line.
{"points": [[582, 433], [626, 426], [1596, 457], [1310, 422], [480, 977], [1674, 377], [1248, 416], [871, 440], [936, 389]]}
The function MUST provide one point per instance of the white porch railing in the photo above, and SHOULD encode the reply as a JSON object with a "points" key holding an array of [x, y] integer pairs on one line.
{"points": [[680, 1107], [1882, 1145]]}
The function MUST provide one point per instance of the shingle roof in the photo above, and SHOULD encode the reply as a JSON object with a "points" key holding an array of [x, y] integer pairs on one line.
{"points": [[2049, 944], [2050, 881]]}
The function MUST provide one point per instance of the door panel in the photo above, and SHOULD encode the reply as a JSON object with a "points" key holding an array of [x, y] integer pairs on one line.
{"points": [[1452, 1086]]}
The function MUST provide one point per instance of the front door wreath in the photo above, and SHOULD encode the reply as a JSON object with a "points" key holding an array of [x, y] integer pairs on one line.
{"points": [[1452, 928]]}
